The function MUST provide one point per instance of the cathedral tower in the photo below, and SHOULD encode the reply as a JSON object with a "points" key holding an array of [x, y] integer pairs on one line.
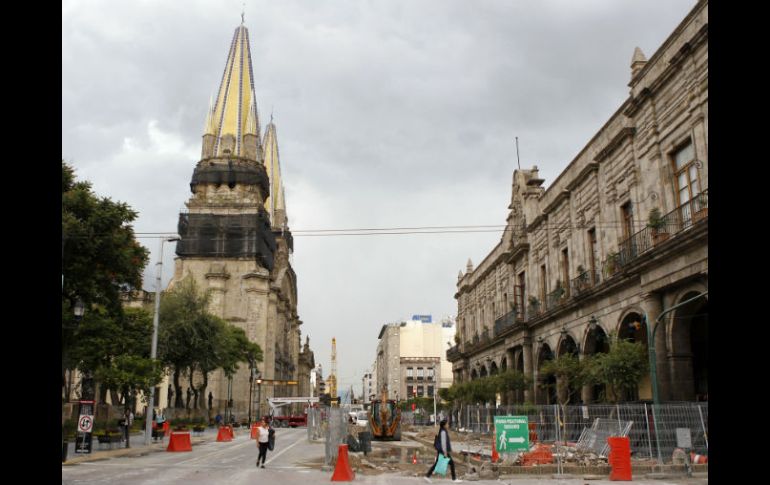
{"points": [[235, 241]]}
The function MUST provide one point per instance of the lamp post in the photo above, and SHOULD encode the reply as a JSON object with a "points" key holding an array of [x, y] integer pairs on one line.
{"points": [[253, 368], [78, 310], [653, 368], [259, 396], [154, 348]]}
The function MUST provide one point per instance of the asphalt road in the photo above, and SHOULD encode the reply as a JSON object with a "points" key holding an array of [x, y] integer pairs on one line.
{"points": [[211, 462], [234, 463]]}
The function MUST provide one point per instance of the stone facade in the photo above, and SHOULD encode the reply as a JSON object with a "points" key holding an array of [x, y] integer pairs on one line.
{"points": [[580, 260], [234, 248], [416, 347], [369, 384]]}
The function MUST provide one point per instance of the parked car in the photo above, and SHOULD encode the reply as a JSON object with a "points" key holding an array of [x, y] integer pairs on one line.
{"points": [[362, 418]]}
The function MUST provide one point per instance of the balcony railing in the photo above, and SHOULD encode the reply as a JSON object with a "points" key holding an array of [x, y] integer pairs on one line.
{"points": [[534, 310], [584, 282], [505, 322], [453, 353], [680, 219], [555, 298]]}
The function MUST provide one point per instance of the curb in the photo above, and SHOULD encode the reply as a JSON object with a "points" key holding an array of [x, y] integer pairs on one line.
{"points": [[125, 452]]}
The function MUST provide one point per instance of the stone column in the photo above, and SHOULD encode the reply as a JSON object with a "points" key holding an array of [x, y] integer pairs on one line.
{"points": [[652, 304], [509, 396], [528, 371], [683, 386], [587, 391]]}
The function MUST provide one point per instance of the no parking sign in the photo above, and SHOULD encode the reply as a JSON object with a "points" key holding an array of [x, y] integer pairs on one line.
{"points": [[86, 423], [85, 427]]}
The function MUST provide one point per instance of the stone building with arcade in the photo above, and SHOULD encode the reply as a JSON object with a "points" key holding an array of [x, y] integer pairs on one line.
{"points": [[622, 233]]}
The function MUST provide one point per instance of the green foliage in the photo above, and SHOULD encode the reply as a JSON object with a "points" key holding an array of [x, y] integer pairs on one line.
{"points": [[234, 348], [115, 349], [567, 366], [190, 338], [100, 254], [655, 220], [485, 389], [421, 403], [570, 373], [131, 374], [621, 369]]}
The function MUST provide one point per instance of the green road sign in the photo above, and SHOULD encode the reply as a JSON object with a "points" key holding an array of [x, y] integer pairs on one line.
{"points": [[511, 434]]}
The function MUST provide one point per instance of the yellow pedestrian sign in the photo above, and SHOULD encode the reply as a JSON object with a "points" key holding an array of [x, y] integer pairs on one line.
{"points": [[511, 434]]}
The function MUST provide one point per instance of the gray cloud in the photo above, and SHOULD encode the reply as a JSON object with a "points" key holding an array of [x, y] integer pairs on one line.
{"points": [[389, 113]]}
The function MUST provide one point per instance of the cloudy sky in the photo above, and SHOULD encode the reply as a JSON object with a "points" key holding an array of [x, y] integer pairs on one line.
{"points": [[390, 113]]}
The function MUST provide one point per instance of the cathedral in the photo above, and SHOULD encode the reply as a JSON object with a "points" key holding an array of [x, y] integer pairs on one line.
{"points": [[236, 243]]}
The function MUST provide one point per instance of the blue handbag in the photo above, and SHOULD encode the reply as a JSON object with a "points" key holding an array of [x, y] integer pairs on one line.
{"points": [[441, 465]]}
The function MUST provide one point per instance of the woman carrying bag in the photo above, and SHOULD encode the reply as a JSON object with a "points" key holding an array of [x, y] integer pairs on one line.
{"points": [[263, 439], [443, 448]]}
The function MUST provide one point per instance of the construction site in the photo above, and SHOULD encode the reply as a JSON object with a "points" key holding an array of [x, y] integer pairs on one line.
{"points": [[476, 457]]}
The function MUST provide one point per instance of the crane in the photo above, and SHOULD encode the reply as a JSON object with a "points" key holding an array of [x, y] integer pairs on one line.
{"points": [[333, 374]]}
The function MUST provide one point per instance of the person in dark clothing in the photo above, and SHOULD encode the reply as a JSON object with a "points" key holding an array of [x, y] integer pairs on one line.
{"points": [[443, 447]]}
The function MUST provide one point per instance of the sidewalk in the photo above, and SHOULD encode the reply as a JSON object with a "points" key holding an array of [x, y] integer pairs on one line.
{"points": [[138, 448]]}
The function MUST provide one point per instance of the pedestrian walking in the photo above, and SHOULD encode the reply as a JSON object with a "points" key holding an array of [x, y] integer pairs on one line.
{"points": [[443, 447], [263, 441]]}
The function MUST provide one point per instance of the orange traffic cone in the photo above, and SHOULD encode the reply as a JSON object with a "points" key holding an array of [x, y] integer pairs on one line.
{"points": [[414, 458], [254, 431], [342, 471], [495, 455], [224, 434]]}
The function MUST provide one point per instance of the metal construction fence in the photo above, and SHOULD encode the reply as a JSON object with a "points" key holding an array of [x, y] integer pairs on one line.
{"points": [[573, 420], [331, 425]]}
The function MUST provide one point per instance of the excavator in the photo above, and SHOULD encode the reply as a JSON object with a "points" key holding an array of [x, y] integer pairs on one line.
{"points": [[385, 419]]}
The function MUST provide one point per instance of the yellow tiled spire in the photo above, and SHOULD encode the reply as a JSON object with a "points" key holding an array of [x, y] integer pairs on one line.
{"points": [[235, 102], [276, 200], [208, 128]]}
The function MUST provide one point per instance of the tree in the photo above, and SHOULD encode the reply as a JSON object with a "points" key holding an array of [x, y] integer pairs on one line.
{"points": [[178, 341], [115, 349], [191, 339], [570, 374], [621, 369], [100, 256], [512, 380]]}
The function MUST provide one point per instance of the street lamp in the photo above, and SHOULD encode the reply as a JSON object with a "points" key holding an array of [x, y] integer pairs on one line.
{"points": [[259, 396], [253, 368], [154, 348], [78, 310]]}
